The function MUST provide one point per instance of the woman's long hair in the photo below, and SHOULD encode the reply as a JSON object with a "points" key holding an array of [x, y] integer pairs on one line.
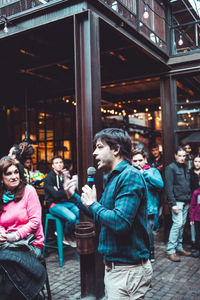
{"points": [[5, 163]]}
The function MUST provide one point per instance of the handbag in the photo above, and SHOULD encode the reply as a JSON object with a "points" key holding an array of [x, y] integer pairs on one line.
{"points": [[22, 244]]}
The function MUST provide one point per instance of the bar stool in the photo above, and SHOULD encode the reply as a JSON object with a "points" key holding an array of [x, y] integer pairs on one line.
{"points": [[58, 243]]}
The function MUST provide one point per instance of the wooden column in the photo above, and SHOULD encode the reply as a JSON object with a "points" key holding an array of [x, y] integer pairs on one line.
{"points": [[167, 99], [88, 122], [87, 88]]}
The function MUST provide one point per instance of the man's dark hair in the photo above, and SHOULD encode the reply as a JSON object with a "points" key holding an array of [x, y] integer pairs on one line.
{"points": [[116, 137], [179, 149], [138, 151], [154, 146], [67, 163], [55, 157]]}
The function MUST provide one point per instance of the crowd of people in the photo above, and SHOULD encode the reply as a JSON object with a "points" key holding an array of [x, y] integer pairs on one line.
{"points": [[128, 211]]}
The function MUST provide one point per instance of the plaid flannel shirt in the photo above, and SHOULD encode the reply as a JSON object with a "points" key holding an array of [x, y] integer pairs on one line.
{"points": [[122, 214]]}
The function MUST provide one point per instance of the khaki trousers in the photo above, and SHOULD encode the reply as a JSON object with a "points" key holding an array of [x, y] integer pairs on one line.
{"points": [[127, 282]]}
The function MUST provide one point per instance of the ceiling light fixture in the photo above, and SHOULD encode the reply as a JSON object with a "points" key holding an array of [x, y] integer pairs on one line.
{"points": [[27, 138]]}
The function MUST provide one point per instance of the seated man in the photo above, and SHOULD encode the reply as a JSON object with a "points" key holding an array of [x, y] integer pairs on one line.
{"points": [[56, 199]]}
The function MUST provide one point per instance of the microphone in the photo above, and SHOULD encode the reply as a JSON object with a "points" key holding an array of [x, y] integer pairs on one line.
{"points": [[91, 172]]}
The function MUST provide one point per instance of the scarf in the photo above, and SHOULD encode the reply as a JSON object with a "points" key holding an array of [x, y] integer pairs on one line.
{"points": [[7, 197]]}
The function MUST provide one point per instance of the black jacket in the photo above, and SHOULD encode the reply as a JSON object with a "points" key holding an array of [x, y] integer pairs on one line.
{"points": [[51, 195], [194, 180], [20, 270], [177, 183]]}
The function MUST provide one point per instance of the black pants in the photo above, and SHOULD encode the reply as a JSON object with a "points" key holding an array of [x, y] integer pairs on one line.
{"points": [[197, 232]]}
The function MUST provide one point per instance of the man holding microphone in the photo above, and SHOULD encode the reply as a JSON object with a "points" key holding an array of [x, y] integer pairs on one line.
{"points": [[122, 214]]}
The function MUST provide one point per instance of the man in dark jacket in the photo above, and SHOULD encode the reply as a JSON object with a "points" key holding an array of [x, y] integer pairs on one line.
{"points": [[156, 158], [177, 184], [59, 206]]}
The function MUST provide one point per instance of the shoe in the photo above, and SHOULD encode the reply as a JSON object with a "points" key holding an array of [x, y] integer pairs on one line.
{"points": [[65, 242], [152, 257], [71, 243], [184, 252], [173, 257], [196, 253]]}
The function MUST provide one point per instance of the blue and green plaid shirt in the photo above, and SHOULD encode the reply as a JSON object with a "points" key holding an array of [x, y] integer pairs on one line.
{"points": [[122, 214]]}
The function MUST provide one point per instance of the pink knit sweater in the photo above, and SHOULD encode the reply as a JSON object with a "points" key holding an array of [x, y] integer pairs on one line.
{"points": [[24, 217]]}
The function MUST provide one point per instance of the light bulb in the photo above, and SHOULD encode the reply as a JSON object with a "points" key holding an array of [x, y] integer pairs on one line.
{"points": [[5, 29], [145, 14], [180, 41]]}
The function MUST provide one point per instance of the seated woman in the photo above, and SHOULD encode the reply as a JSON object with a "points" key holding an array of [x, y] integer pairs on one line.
{"points": [[20, 216]]}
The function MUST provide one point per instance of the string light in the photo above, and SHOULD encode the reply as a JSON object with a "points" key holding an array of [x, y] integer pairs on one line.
{"points": [[5, 21], [146, 13], [180, 41], [5, 29]]}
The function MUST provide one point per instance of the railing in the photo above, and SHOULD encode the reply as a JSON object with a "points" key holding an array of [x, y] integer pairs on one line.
{"points": [[12, 7], [147, 16], [151, 26], [185, 37]]}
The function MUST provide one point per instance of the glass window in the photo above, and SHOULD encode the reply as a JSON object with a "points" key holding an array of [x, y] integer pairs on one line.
{"points": [[188, 116]]}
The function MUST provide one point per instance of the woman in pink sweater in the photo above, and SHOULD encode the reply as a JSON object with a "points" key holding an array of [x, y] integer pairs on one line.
{"points": [[20, 209]]}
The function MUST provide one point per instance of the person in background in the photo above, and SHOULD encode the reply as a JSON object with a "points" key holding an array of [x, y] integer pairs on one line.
{"points": [[189, 156], [69, 166], [20, 152], [28, 169], [28, 163], [177, 185], [154, 184], [58, 203], [156, 159], [194, 183], [122, 214], [195, 173], [194, 214]]}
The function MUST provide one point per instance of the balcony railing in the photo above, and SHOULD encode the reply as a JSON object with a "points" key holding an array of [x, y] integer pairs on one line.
{"points": [[147, 16], [151, 25], [12, 7], [185, 37]]}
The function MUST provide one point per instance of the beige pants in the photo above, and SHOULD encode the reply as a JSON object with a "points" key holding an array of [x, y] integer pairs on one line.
{"points": [[127, 282]]}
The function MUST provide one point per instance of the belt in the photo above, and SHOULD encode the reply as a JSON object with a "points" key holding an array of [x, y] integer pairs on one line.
{"points": [[111, 264]]}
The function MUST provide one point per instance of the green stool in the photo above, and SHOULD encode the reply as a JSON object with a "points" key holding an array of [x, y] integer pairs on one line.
{"points": [[55, 244]]}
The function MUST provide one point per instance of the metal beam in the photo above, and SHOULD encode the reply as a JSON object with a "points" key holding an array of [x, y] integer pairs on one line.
{"points": [[37, 17]]}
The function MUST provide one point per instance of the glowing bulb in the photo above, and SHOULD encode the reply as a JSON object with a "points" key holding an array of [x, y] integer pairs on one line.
{"points": [[145, 14], [5, 29], [180, 42]]}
